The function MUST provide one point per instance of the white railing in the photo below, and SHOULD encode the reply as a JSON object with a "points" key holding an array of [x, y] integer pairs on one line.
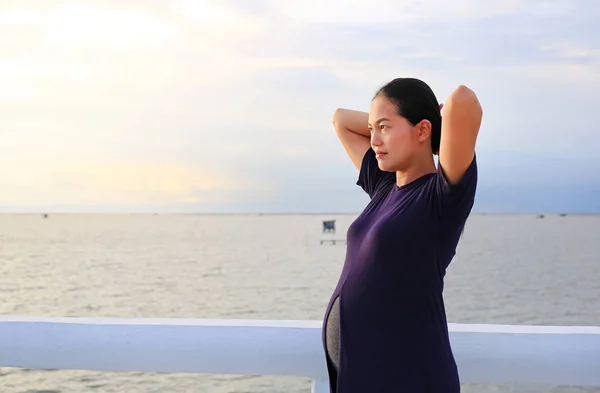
{"points": [[485, 353]]}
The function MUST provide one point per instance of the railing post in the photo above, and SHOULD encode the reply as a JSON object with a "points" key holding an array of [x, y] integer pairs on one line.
{"points": [[320, 386]]}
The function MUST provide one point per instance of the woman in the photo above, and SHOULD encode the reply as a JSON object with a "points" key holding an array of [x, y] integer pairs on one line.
{"points": [[385, 328]]}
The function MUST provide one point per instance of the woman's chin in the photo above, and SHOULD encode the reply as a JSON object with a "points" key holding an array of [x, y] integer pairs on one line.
{"points": [[384, 167]]}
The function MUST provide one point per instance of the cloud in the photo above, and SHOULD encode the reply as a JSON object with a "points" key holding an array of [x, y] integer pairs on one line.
{"points": [[64, 180], [219, 19], [245, 90], [362, 13], [85, 25], [420, 37]]}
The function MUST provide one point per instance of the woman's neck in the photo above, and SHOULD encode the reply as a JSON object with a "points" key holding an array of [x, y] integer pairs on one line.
{"points": [[417, 169]]}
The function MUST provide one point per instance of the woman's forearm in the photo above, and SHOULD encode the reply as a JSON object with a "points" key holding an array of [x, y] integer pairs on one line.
{"points": [[351, 120]]}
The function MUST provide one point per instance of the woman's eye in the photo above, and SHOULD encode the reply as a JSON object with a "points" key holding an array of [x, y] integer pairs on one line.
{"points": [[382, 126]]}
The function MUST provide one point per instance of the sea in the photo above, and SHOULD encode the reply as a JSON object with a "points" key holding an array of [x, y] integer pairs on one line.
{"points": [[509, 269]]}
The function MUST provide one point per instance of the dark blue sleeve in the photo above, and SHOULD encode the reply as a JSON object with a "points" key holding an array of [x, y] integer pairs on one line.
{"points": [[455, 201], [371, 178]]}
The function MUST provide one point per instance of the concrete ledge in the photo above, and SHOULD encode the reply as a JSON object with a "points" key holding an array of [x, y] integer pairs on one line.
{"points": [[556, 355]]}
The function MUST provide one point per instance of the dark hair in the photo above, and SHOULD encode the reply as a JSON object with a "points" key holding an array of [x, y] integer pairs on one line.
{"points": [[415, 101]]}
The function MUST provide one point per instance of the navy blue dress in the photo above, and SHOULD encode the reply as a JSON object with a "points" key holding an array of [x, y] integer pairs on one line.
{"points": [[393, 333]]}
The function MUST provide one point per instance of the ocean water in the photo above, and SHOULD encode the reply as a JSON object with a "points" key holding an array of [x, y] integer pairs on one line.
{"points": [[514, 269]]}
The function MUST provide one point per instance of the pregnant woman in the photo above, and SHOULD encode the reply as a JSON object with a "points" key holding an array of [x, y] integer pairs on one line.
{"points": [[385, 327]]}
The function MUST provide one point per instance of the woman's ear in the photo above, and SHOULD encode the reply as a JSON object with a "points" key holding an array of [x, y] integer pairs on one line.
{"points": [[424, 130]]}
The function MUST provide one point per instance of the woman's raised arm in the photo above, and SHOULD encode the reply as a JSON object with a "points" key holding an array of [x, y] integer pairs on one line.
{"points": [[461, 120], [353, 131]]}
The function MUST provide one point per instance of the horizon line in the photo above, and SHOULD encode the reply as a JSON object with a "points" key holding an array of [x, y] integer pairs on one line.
{"points": [[42, 213]]}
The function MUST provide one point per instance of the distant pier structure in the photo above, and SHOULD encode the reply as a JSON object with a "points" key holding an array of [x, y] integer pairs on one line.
{"points": [[329, 226]]}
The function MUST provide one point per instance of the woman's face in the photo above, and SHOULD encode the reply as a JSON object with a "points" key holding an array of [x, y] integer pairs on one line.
{"points": [[393, 138]]}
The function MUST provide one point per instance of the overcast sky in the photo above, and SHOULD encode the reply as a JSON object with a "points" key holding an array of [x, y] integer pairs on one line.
{"points": [[226, 106]]}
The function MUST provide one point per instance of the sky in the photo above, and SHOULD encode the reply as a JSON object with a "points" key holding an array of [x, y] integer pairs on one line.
{"points": [[225, 106]]}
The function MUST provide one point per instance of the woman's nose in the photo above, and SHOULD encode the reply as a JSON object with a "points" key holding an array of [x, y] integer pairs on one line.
{"points": [[375, 139]]}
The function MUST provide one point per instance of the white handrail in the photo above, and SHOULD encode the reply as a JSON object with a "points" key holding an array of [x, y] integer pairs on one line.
{"points": [[485, 353]]}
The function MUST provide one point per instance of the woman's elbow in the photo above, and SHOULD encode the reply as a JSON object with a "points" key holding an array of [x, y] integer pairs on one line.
{"points": [[466, 99], [337, 116]]}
